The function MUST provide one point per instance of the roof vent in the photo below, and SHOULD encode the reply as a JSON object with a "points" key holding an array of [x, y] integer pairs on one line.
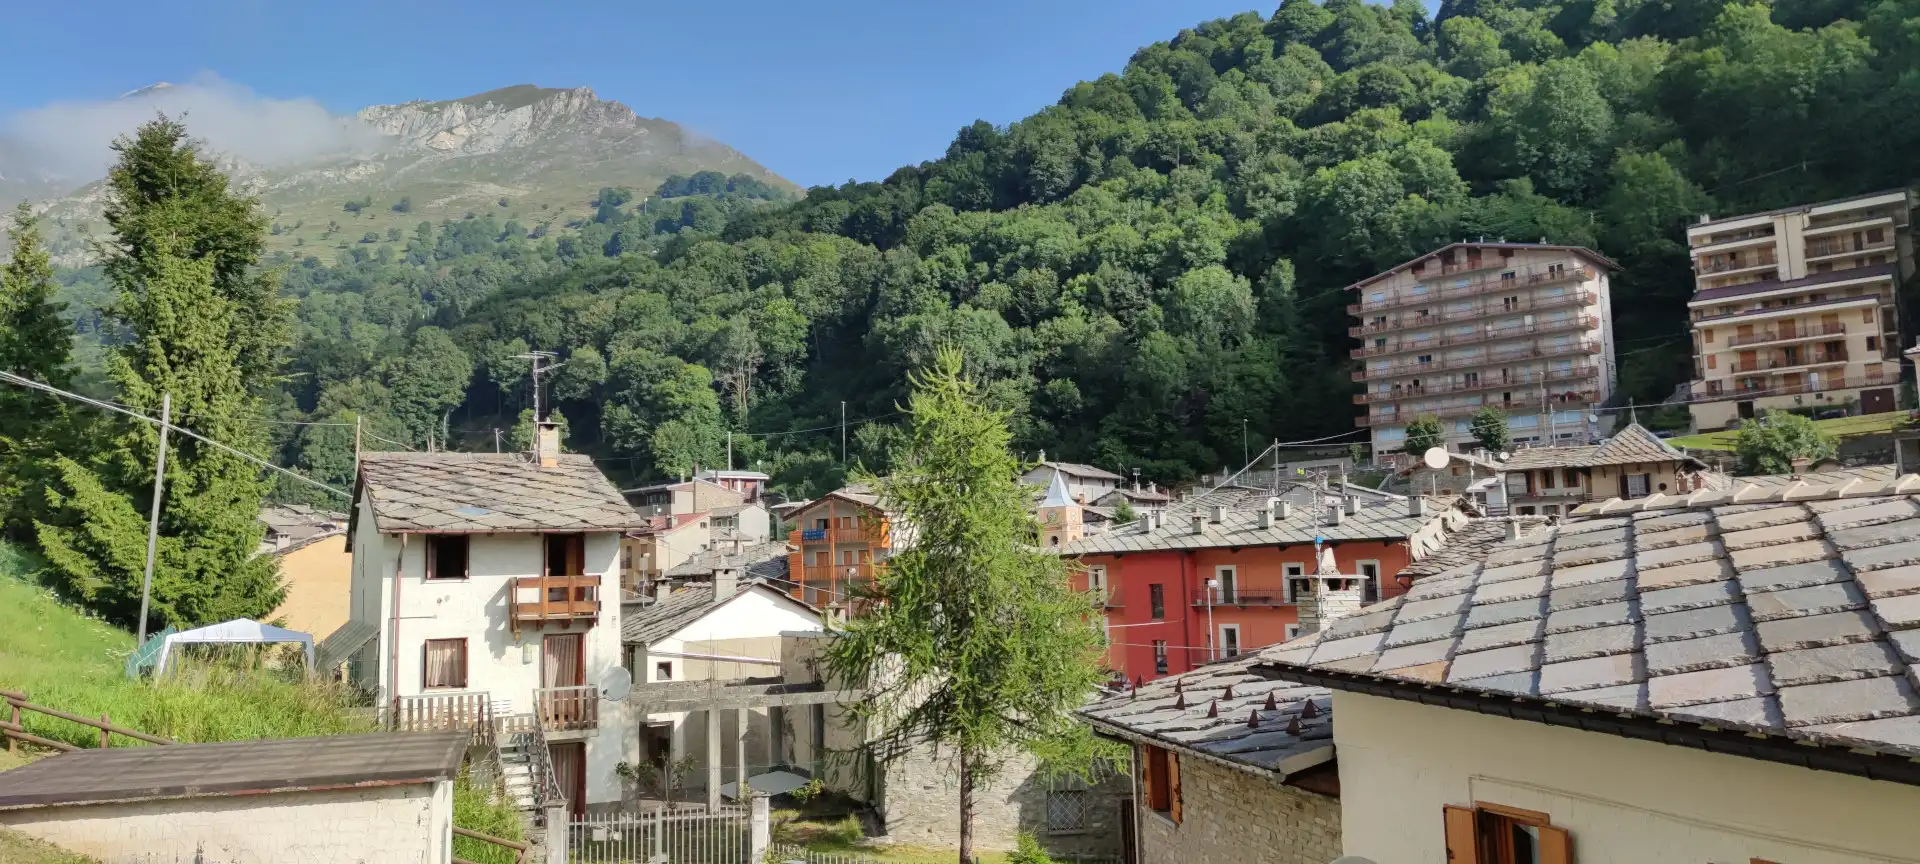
{"points": [[1353, 505], [1285, 512], [1199, 524], [1334, 515], [1416, 506], [1266, 519], [1218, 514]]}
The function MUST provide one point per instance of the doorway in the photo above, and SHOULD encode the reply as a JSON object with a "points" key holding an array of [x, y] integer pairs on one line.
{"points": [[570, 772], [563, 665], [1745, 410], [1876, 401]]}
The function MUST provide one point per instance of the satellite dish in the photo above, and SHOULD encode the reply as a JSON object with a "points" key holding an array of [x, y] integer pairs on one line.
{"points": [[1435, 457], [615, 683]]}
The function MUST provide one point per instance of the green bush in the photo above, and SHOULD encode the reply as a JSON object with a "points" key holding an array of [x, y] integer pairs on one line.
{"points": [[476, 808], [1028, 851]]}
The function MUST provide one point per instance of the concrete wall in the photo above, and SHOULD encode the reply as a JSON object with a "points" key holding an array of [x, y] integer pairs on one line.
{"points": [[400, 824], [920, 804], [317, 578], [505, 665], [1230, 816], [1624, 801]]}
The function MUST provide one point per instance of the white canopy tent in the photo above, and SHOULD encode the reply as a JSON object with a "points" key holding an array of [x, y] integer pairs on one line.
{"points": [[236, 632]]}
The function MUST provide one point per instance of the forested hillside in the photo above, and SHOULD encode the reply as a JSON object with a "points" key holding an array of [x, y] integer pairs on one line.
{"points": [[1139, 267]]}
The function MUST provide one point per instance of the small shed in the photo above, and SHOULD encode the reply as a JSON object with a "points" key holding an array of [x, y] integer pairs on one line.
{"points": [[377, 797]]}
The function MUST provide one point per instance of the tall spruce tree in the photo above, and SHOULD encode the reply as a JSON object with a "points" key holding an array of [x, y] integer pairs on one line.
{"points": [[205, 327], [975, 643], [35, 342]]}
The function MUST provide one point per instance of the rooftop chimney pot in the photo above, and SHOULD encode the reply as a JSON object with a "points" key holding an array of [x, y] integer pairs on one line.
{"points": [[1199, 524], [1217, 515], [1416, 506], [546, 443], [1353, 505], [1513, 529]]}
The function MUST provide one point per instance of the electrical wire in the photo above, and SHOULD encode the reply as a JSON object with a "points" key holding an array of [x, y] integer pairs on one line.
{"points": [[22, 381]]}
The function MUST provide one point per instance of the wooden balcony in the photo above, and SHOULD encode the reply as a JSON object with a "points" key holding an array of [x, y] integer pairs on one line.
{"points": [[564, 709], [561, 599], [441, 712], [841, 536]]}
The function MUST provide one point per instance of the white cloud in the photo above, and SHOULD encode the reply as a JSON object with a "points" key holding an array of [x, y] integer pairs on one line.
{"points": [[72, 138]]}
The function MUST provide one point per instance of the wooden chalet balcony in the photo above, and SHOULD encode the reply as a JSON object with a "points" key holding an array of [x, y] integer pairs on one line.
{"points": [[563, 599], [565, 709], [1490, 282], [856, 534]]}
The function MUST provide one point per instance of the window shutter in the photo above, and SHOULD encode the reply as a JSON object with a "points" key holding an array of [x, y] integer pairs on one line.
{"points": [[1173, 785], [1556, 845], [1462, 847]]}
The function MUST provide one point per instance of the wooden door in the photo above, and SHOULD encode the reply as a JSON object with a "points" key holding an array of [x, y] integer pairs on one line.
{"points": [[1877, 401], [563, 665], [570, 771], [1786, 329]]}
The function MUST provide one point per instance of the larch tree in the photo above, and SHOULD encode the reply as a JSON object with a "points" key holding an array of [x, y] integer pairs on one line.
{"points": [[205, 326], [974, 643], [36, 342]]}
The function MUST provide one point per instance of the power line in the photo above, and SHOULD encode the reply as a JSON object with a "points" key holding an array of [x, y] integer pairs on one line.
{"points": [[389, 441], [11, 378]]}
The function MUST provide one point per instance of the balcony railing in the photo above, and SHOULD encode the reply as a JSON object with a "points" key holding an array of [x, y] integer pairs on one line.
{"points": [[556, 598], [856, 534], [1731, 265], [1241, 598], [1491, 358], [1817, 358], [1876, 378], [1555, 400], [1522, 277], [1482, 334], [1479, 310], [1585, 370], [1812, 331], [441, 712], [1845, 246], [567, 708]]}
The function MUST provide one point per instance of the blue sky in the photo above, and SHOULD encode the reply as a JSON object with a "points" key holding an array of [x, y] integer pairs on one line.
{"points": [[820, 91]]}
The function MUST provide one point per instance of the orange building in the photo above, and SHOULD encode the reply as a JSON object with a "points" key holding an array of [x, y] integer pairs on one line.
{"points": [[841, 537], [1212, 580]]}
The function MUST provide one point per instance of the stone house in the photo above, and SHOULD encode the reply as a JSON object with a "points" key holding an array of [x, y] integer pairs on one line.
{"points": [[1718, 677], [1230, 767], [485, 588], [1085, 483], [1634, 463]]}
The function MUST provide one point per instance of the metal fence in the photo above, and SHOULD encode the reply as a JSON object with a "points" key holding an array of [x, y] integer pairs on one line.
{"points": [[787, 853], [687, 836]]}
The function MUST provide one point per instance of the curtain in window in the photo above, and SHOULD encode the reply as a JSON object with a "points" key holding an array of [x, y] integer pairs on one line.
{"points": [[446, 663]]}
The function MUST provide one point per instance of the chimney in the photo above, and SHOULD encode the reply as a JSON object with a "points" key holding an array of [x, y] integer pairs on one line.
{"points": [[660, 591], [1328, 603], [1335, 515], [1218, 514], [1416, 506], [1285, 512], [1199, 524], [1266, 515], [1353, 505], [1513, 529], [1800, 464], [725, 580], [739, 546], [546, 443]]}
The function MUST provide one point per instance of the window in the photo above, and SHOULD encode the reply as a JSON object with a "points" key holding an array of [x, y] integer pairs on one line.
{"points": [[1097, 580], [820, 524], [1370, 580], [1296, 583], [1228, 592], [1293, 631], [1569, 478], [566, 554], [663, 671], [1866, 315], [1066, 811], [1493, 834], [447, 556], [1162, 770], [1637, 485], [445, 662], [1159, 656], [1713, 361], [1873, 343], [1157, 598], [1229, 640]]}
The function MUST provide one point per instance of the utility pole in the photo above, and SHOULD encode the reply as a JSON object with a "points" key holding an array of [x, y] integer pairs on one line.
{"points": [[496, 440], [843, 433], [729, 449], [153, 517], [538, 370]]}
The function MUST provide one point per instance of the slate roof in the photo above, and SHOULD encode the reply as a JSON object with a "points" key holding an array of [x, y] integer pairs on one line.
{"points": [[234, 768], [758, 561], [644, 625], [1377, 520], [1224, 712], [1792, 612], [1631, 445], [1864, 473], [1077, 469], [471, 493], [1470, 543]]}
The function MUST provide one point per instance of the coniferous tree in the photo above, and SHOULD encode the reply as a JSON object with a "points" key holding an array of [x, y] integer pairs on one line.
{"points": [[975, 645], [204, 327], [35, 342]]}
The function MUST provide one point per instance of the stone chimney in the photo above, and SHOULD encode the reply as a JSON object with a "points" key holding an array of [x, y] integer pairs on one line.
{"points": [[660, 590], [1335, 515], [739, 546], [1800, 464], [1285, 512], [725, 581], [1513, 529], [546, 443], [1353, 505], [1331, 600]]}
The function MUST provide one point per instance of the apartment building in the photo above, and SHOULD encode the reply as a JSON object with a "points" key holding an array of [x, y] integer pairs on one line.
{"points": [[1796, 308], [1523, 327]]}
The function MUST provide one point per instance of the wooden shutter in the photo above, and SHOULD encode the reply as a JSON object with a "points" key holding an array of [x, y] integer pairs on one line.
{"points": [[1556, 845], [1173, 785], [1462, 837]]}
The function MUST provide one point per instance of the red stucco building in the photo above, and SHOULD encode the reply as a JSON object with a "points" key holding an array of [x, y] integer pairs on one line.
{"points": [[1164, 619]]}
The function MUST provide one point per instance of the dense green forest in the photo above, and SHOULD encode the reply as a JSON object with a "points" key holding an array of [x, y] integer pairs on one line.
{"points": [[1133, 271]]}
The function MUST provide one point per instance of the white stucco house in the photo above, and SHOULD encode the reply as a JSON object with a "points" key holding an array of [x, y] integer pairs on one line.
{"points": [[729, 630], [486, 588]]}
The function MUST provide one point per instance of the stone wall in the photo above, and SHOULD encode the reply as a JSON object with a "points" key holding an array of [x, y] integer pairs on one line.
{"points": [[920, 805], [1229, 816]]}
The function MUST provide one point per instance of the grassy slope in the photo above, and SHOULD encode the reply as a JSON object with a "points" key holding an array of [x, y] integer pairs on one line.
{"points": [[1838, 427], [17, 848], [65, 660]]}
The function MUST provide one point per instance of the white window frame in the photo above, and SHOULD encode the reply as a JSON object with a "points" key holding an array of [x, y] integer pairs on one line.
{"points": [[1237, 645], [1360, 569], [1097, 580], [1288, 573], [1228, 577]]}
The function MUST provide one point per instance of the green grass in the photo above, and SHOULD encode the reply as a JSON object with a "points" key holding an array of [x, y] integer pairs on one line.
{"points": [[475, 810], [843, 835], [17, 848], [65, 660], [1838, 427]]}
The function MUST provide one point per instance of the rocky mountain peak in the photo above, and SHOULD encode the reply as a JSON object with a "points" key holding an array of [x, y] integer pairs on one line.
{"points": [[502, 119]]}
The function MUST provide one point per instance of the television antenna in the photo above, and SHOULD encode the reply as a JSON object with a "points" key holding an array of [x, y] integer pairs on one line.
{"points": [[538, 357]]}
